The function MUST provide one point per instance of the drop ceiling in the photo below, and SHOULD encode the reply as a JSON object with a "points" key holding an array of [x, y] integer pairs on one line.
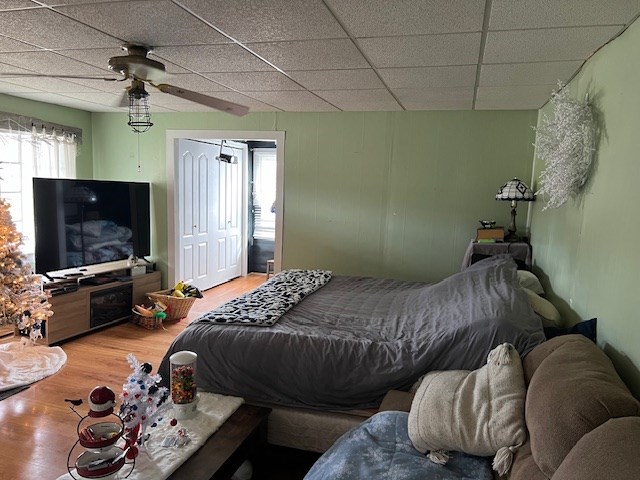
{"points": [[311, 55]]}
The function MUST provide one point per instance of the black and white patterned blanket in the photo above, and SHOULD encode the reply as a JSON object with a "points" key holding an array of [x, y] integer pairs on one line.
{"points": [[267, 303]]}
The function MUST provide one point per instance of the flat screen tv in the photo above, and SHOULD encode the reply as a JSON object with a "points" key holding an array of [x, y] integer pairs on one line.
{"points": [[86, 222]]}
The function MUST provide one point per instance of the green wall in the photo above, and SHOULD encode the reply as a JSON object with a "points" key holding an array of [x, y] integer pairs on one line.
{"points": [[61, 115], [391, 194], [588, 248]]}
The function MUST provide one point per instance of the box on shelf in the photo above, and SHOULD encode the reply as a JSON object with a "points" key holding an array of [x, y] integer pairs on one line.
{"points": [[496, 233], [137, 270]]}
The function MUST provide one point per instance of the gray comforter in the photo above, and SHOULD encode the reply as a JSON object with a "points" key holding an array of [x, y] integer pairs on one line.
{"points": [[354, 339]]}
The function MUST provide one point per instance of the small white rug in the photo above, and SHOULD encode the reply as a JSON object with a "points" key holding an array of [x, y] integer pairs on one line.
{"points": [[22, 364], [158, 462]]}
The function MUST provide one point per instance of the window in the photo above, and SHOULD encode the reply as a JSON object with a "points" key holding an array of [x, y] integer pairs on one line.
{"points": [[24, 155], [264, 193]]}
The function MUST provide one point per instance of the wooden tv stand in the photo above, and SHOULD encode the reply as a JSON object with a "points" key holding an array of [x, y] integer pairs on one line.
{"points": [[95, 306]]}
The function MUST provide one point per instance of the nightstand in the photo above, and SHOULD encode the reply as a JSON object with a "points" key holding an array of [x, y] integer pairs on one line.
{"points": [[521, 252]]}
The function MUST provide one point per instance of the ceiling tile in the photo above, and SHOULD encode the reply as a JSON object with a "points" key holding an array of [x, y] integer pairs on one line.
{"points": [[311, 54], [298, 101], [9, 4], [427, 77], [510, 15], [49, 63], [361, 79], [457, 98], [191, 81], [13, 88], [529, 97], [261, 21], [60, 3], [540, 73], [9, 45], [102, 98], [422, 50], [58, 99], [49, 29], [98, 57], [178, 26], [255, 81], [373, 18], [361, 100], [213, 58], [5, 68], [51, 85], [545, 45]]}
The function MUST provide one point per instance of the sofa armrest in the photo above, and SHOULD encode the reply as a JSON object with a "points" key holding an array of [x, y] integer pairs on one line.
{"points": [[396, 400]]}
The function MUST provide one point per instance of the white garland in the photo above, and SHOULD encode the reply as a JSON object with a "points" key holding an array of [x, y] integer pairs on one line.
{"points": [[565, 143]]}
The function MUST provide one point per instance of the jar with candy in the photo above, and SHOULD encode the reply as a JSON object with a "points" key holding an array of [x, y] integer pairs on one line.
{"points": [[183, 383]]}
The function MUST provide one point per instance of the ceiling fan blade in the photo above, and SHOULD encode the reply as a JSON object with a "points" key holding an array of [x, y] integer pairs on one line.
{"points": [[38, 75], [217, 103]]}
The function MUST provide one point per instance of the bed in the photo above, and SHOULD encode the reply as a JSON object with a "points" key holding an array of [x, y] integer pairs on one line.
{"points": [[343, 347]]}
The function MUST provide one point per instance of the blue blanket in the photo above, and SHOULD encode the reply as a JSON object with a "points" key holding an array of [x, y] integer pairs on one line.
{"points": [[380, 448]]}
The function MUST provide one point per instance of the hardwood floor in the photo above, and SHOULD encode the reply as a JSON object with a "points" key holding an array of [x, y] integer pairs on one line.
{"points": [[37, 428]]}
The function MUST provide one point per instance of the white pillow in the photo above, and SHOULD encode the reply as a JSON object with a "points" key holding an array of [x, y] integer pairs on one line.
{"points": [[550, 314], [479, 413], [530, 281]]}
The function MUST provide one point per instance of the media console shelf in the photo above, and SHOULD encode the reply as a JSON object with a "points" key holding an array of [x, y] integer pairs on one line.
{"points": [[94, 306]]}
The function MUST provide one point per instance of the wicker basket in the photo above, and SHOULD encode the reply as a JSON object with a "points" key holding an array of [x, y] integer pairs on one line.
{"points": [[177, 307], [150, 323]]}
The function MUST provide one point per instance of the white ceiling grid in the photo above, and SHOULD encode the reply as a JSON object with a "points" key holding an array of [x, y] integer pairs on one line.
{"points": [[310, 55]]}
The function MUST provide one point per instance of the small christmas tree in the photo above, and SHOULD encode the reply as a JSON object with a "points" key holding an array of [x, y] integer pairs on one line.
{"points": [[22, 300], [141, 402]]}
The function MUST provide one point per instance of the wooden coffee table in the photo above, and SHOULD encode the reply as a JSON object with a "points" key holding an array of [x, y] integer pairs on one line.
{"points": [[235, 441]]}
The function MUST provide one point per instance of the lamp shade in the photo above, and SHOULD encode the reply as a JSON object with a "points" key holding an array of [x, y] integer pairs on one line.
{"points": [[515, 190]]}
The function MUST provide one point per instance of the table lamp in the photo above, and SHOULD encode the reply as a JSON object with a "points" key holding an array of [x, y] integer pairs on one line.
{"points": [[515, 191]]}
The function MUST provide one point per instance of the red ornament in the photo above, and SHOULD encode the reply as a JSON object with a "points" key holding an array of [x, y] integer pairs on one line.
{"points": [[173, 422]]}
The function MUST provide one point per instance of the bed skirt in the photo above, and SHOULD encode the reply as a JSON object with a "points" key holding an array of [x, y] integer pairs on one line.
{"points": [[310, 430]]}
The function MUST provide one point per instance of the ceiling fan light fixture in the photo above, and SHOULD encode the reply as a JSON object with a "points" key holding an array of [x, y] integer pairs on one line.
{"points": [[139, 114]]}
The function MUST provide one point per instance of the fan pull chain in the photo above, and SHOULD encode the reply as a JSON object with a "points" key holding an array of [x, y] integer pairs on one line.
{"points": [[139, 166]]}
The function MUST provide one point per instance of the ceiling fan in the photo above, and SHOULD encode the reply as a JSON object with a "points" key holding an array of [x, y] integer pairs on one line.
{"points": [[140, 69]]}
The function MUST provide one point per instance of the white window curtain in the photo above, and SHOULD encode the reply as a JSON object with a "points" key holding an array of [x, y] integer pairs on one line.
{"points": [[28, 154]]}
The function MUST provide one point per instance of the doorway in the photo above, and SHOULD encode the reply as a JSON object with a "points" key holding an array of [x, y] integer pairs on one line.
{"points": [[195, 172], [262, 204]]}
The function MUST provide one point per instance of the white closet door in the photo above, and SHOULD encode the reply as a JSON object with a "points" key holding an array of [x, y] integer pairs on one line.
{"points": [[195, 189], [228, 234], [210, 219]]}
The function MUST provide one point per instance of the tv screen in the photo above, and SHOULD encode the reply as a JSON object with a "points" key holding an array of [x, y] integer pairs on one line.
{"points": [[86, 222]]}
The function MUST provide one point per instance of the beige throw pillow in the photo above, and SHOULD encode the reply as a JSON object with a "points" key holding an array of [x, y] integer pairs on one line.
{"points": [[479, 413], [530, 281], [549, 314]]}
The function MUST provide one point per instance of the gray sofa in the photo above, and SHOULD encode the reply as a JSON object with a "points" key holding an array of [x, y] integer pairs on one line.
{"points": [[582, 422]]}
